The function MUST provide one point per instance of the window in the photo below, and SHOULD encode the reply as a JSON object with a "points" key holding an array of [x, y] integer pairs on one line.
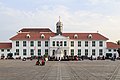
{"points": [[79, 52], [39, 43], [86, 43], [75, 36], [53, 43], [100, 52], [2, 50], [109, 50], [93, 52], [90, 36], [31, 52], [17, 43], [65, 43], [24, 52], [61, 43], [28, 36], [79, 43], [93, 43], [46, 43], [42, 36], [53, 54], [2, 55], [115, 50], [39, 52], [72, 52], [8, 50], [72, 43], [17, 51], [57, 43], [31, 43], [24, 43], [46, 52], [86, 52], [101, 43]]}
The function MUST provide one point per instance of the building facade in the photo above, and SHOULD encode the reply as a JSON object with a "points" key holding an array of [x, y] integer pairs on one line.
{"points": [[43, 42], [5, 48]]}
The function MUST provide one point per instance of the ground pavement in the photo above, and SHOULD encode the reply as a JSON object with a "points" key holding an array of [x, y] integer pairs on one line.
{"points": [[60, 70]]}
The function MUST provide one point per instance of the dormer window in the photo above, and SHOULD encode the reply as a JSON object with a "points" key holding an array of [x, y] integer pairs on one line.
{"points": [[89, 36], [20, 32], [42, 36], [75, 36], [68, 37], [28, 35]]}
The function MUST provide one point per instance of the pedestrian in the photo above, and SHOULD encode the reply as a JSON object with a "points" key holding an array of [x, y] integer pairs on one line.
{"points": [[42, 62], [91, 57], [38, 62]]}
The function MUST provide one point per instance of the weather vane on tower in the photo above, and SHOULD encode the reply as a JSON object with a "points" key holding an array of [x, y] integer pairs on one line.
{"points": [[59, 18]]}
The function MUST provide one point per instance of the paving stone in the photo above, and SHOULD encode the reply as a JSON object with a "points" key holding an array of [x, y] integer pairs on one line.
{"points": [[59, 70]]}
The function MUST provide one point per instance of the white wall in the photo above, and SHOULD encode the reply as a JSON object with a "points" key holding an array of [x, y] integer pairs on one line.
{"points": [[113, 52], [51, 48], [59, 38], [5, 52], [89, 47], [28, 47]]}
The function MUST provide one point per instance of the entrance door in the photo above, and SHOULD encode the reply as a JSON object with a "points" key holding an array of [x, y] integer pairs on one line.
{"points": [[59, 54], [65, 52]]}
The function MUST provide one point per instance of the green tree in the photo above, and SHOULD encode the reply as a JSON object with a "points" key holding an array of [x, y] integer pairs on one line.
{"points": [[118, 42]]}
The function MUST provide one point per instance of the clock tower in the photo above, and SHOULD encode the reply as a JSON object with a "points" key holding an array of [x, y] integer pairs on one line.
{"points": [[59, 27]]}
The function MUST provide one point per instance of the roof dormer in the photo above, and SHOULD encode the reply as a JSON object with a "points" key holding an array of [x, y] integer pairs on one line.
{"points": [[90, 36], [42, 36], [75, 36], [28, 36]]}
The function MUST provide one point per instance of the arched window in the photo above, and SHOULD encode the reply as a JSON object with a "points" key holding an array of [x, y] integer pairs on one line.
{"points": [[42, 36], [28, 35], [90, 36], [75, 36]]}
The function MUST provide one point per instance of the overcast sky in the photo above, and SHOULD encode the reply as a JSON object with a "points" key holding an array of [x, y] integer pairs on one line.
{"points": [[76, 15]]}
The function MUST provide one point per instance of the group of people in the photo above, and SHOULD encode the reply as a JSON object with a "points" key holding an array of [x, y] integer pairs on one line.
{"points": [[42, 62], [113, 57]]}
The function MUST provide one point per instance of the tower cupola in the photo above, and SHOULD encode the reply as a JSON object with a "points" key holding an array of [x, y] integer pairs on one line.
{"points": [[59, 27]]}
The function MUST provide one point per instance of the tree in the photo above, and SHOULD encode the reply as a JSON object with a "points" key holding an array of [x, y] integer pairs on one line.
{"points": [[118, 42]]}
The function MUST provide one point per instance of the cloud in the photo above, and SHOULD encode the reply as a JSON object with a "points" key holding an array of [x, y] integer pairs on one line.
{"points": [[11, 20], [103, 1]]}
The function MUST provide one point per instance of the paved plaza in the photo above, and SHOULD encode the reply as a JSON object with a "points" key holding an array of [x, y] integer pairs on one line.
{"points": [[60, 70]]}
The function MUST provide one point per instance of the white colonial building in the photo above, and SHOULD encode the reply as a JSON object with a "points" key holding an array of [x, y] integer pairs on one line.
{"points": [[43, 42]]}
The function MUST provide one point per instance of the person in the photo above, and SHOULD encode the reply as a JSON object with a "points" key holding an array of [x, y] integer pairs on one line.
{"points": [[91, 58], [103, 58], [24, 59], [114, 57], [38, 62], [76, 58], [42, 62], [82, 57]]}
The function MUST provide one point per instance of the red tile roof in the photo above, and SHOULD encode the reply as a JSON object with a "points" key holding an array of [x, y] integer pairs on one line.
{"points": [[35, 30], [111, 45], [5, 45], [33, 36], [37, 36], [84, 36]]}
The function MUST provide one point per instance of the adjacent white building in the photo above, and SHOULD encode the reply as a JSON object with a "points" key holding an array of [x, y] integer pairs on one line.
{"points": [[43, 42], [112, 50], [5, 49]]}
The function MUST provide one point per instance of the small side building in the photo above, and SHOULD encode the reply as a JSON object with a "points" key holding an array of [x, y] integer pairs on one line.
{"points": [[5, 49], [112, 50]]}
